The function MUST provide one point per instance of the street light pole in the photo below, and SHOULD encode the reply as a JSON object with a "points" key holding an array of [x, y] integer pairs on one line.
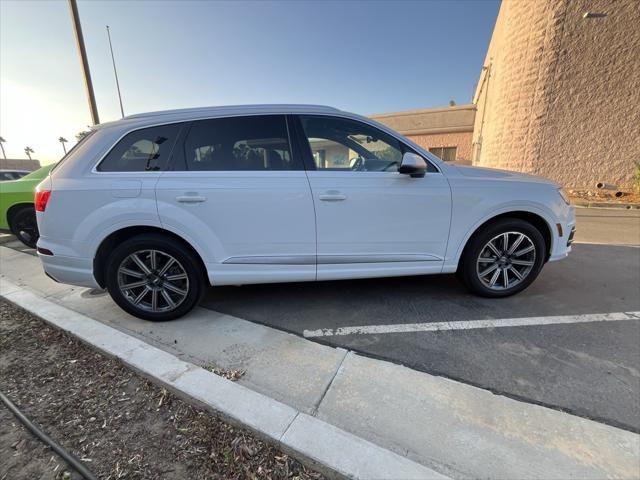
{"points": [[73, 6], [115, 72]]}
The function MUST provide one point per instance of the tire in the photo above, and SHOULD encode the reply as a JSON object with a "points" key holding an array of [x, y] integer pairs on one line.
{"points": [[24, 226], [498, 272], [176, 277]]}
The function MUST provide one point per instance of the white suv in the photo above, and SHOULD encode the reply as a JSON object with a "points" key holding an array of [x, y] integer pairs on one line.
{"points": [[157, 206]]}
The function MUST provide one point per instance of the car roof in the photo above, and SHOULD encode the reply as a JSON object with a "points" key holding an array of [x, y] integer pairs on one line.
{"points": [[183, 114]]}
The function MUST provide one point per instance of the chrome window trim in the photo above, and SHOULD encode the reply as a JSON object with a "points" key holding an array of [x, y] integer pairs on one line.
{"points": [[364, 120], [378, 126]]}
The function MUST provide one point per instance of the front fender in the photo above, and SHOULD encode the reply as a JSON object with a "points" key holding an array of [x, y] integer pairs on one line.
{"points": [[465, 224]]}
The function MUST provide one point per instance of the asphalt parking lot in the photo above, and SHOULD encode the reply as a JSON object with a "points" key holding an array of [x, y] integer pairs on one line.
{"points": [[589, 368]]}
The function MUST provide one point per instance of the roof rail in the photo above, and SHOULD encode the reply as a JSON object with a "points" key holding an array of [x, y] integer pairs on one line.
{"points": [[256, 107]]}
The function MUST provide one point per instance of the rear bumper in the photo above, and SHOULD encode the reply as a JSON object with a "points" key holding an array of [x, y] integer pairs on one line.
{"points": [[70, 270]]}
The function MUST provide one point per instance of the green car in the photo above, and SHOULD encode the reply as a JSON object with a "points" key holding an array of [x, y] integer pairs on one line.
{"points": [[17, 212]]}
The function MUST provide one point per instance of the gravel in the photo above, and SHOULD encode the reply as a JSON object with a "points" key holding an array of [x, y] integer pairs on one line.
{"points": [[119, 424]]}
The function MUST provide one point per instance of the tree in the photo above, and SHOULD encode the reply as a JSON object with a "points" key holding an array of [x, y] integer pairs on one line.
{"points": [[63, 140], [2, 140], [28, 151], [82, 134]]}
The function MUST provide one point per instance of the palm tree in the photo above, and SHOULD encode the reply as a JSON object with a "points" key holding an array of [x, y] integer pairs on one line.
{"points": [[82, 134], [63, 140], [28, 151], [2, 140]]}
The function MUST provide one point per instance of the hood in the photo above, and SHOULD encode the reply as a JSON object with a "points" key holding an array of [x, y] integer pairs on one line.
{"points": [[494, 173]]}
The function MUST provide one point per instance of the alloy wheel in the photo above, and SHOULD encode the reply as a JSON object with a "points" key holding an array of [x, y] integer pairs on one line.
{"points": [[506, 260], [153, 281]]}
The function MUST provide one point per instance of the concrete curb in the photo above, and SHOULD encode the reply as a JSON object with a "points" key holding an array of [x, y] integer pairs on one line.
{"points": [[333, 451], [615, 206]]}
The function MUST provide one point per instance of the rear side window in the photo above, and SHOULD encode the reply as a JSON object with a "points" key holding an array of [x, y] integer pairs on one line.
{"points": [[253, 143], [11, 175], [145, 150]]}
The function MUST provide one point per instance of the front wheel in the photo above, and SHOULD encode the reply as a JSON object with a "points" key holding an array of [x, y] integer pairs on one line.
{"points": [[154, 277], [503, 258]]}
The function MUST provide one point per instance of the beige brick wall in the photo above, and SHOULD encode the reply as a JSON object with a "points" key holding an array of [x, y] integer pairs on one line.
{"points": [[436, 127], [461, 140], [560, 94]]}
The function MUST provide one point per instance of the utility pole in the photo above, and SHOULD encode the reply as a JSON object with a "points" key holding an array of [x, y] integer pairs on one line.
{"points": [[73, 6], [115, 72]]}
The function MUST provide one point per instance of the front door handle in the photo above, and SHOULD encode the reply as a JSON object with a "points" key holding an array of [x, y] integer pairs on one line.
{"points": [[191, 198], [332, 197]]}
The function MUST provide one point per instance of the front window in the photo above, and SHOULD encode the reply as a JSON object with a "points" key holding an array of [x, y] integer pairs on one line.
{"points": [[347, 145]]}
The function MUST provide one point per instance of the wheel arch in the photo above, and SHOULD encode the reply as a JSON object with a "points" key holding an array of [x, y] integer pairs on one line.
{"points": [[123, 234], [535, 219]]}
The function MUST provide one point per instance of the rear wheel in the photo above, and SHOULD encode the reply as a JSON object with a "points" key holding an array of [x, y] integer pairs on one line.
{"points": [[24, 226], [503, 258], [154, 277]]}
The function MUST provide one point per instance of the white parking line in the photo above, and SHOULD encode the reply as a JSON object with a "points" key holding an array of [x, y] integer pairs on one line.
{"points": [[471, 324]]}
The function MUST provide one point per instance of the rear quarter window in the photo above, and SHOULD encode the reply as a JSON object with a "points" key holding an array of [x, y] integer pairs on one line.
{"points": [[144, 150]]}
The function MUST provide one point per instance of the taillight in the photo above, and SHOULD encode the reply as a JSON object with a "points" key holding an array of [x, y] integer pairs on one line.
{"points": [[42, 198]]}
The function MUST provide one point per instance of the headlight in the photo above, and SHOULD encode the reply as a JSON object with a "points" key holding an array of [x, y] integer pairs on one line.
{"points": [[564, 196]]}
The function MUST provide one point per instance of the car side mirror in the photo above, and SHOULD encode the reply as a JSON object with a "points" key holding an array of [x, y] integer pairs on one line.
{"points": [[413, 164]]}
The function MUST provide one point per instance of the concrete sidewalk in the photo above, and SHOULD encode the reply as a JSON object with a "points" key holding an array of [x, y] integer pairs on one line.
{"points": [[452, 428]]}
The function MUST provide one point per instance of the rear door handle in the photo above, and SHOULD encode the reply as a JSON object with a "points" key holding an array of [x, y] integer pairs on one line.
{"points": [[332, 197], [191, 198]]}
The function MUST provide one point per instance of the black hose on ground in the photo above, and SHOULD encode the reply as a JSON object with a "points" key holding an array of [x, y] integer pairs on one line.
{"points": [[71, 460]]}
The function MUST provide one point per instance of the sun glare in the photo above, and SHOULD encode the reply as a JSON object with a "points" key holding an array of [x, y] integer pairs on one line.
{"points": [[30, 117]]}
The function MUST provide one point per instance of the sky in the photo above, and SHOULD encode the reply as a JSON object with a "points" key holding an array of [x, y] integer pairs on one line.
{"points": [[361, 56]]}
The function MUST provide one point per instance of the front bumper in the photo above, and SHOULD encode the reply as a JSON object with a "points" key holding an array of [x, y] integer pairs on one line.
{"points": [[564, 236], [571, 235]]}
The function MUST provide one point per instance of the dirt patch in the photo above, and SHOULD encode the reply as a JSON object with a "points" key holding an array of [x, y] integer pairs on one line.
{"points": [[24, 456], [579, 197], [119, 424]]}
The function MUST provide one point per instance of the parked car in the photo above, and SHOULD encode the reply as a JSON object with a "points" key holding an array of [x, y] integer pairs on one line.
{"points": [[6, 175], [17, 213], [157, 206]]}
